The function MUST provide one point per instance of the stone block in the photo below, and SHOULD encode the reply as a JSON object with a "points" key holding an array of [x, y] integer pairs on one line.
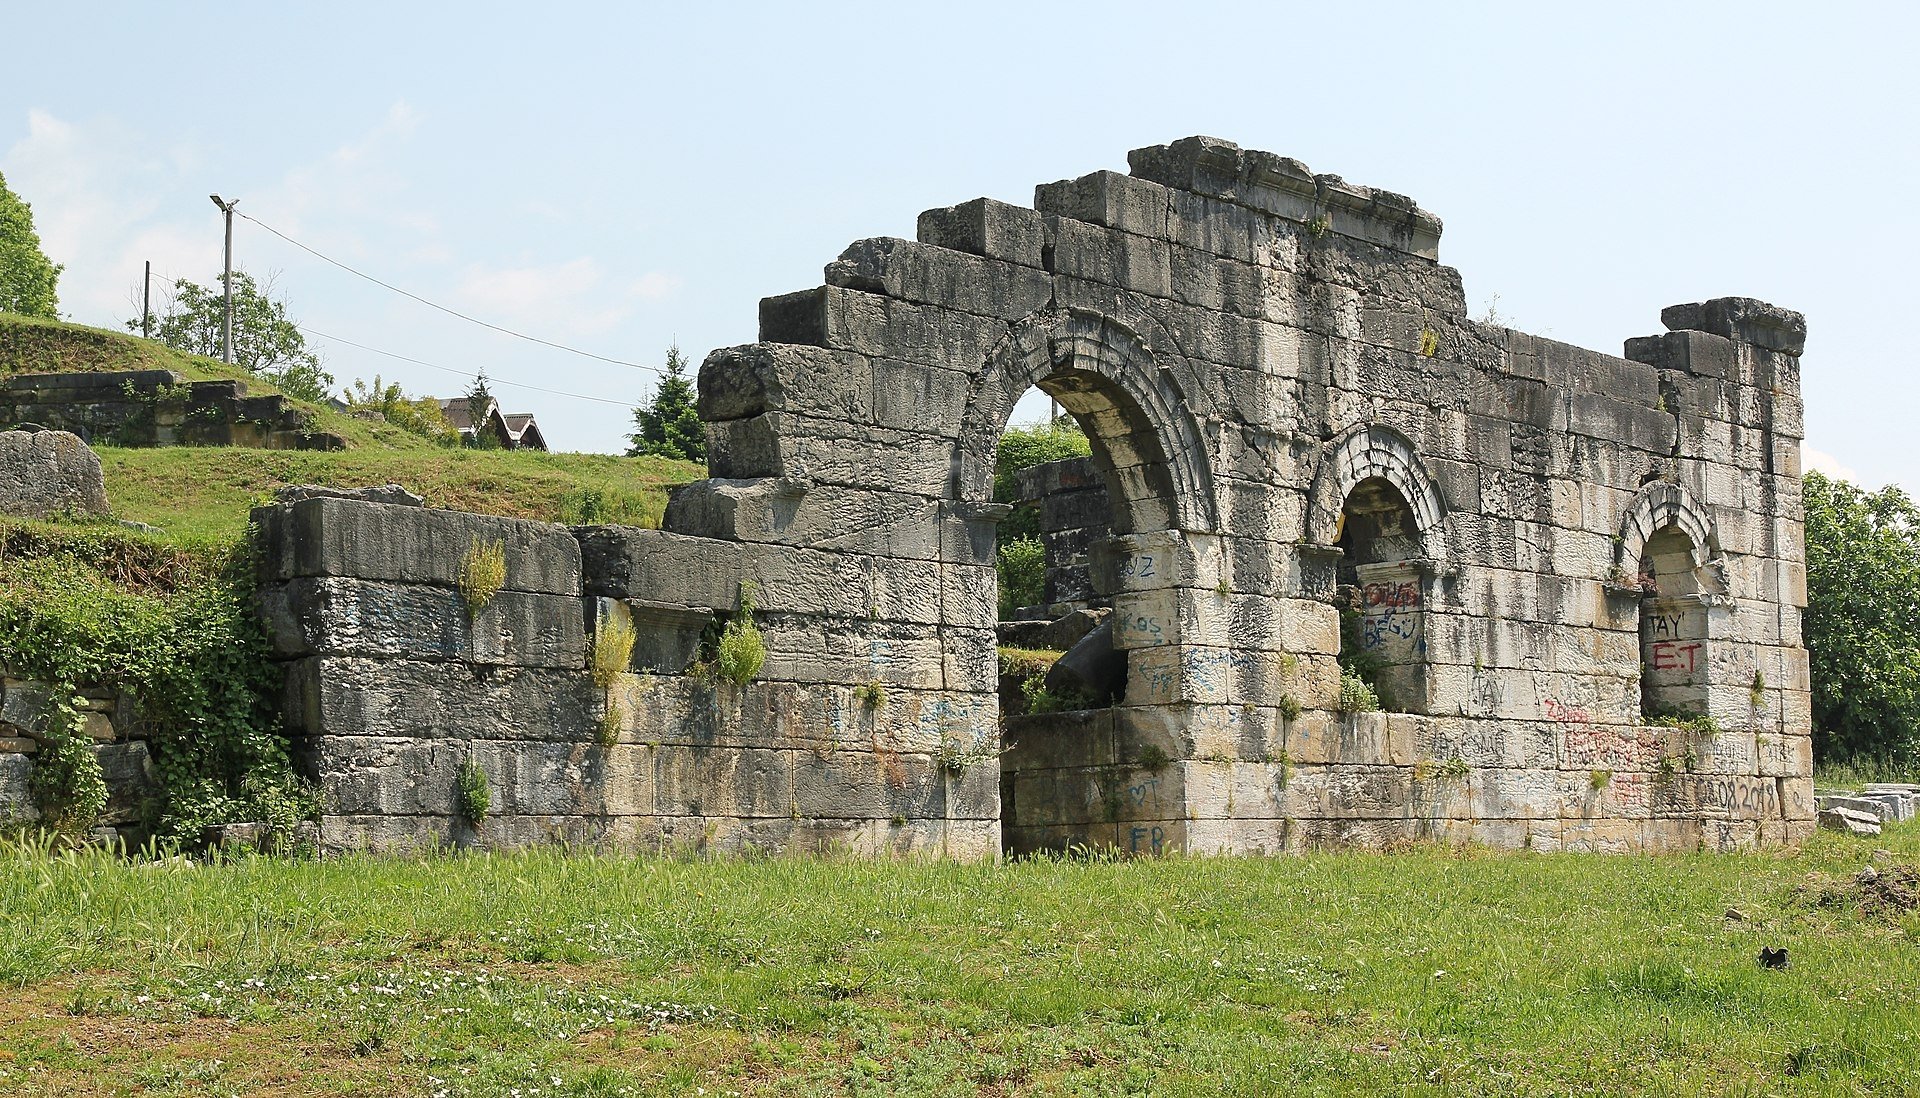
{"points": [[987, 228], [830, 451], [325, 615], [16, 788], [738, 382], [418, 545], [951, 279], [48, 474], [844, 319], [1849, 822], [392, 698]]}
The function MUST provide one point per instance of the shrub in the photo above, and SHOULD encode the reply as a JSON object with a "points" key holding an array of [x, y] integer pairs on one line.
{"points": [[741, 650], [1355, 695], [415, 415], [483, 572], [67, 784], [472, 792], [176, 628]]}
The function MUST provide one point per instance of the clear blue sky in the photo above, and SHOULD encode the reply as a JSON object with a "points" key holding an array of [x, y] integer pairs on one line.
{"points": [[620, 177]]}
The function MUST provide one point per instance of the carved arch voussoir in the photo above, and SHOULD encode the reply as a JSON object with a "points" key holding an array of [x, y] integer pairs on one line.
{"points": [[1092, 345], [1658, 506], [1365, 452]]}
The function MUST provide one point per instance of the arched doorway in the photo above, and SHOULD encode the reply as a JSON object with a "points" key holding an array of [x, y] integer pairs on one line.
{"points": [[1103, 776]]}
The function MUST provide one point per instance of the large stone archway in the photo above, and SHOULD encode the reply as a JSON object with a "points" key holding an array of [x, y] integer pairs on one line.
{"points": [[1248, 344]]}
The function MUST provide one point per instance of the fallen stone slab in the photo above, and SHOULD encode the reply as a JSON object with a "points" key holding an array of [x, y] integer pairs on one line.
{"points": [[1855, 803], [1849, 821], [1897, 806], [44, 474]]}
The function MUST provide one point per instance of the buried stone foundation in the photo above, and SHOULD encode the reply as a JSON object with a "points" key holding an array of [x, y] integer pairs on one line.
{"points": [[1290, 414]]}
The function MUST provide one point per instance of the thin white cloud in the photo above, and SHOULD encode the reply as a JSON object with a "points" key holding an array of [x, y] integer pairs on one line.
{"points": [[572, 298], [95, 192], [1820, 461]]}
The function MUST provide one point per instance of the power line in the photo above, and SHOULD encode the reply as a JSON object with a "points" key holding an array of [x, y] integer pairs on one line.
{"points": [[443, 308], [462, 373]]}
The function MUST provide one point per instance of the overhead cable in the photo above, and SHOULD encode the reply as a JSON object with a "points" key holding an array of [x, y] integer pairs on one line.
{"points": [[443, 308], [462, 373]]}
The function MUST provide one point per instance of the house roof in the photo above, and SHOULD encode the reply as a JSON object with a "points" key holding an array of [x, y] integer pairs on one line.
{"points": [[516, 429]]}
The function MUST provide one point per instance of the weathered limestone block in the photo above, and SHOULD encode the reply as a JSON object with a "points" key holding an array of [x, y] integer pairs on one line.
{"points": [[829, 451], [1284, 187], [333, 616], [987, 228], [739, 382], [925, 274], [44, 474], [420, 545], [16, 791], [395, 698], [850, 320]]}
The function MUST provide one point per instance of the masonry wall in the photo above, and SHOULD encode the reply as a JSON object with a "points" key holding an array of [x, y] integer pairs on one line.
{"points": [[1248, 344], [158, 408]]}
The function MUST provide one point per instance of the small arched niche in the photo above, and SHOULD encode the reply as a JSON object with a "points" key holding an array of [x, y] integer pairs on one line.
{"points": [[1382, 593], [1673, 627]]}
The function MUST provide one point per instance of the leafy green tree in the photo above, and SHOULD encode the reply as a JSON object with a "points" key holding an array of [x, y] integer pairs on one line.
{"points": [[479, 404], [1862, 627], [670, 426], [27, 277], [265, 342], [416, 415], [1023, 448]]}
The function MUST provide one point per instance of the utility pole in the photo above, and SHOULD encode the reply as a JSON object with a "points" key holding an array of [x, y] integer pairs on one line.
{"points": [[226, 279], [146, 303]]}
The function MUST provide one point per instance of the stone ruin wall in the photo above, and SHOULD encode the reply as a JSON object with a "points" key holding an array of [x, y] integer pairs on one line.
{"points": [[1289, 407], [158, 408]]}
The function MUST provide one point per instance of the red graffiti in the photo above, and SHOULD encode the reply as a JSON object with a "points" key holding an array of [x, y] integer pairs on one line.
{"points": [[1400, 595], [1674, 656], [1570, 714]]}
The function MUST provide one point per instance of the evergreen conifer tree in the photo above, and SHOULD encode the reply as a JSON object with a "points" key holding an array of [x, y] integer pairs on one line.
{"points": [[670, 426], [27, 276], [479, 405]]}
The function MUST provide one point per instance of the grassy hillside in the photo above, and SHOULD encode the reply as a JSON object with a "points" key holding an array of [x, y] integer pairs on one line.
{"points": [[30, 346], [193, 493], [1427, 972]]}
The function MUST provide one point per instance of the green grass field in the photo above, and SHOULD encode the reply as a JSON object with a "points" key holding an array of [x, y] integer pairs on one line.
{"points": [[204, 492], [544, 974]]}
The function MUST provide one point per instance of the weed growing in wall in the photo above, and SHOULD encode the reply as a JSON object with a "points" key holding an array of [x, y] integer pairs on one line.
{"points": [[613, 638], [483, 572], [1289, 707], [1355, 695], [607, 733], [472, 792], [872, 695], [741, 650], [1041, 700]]}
